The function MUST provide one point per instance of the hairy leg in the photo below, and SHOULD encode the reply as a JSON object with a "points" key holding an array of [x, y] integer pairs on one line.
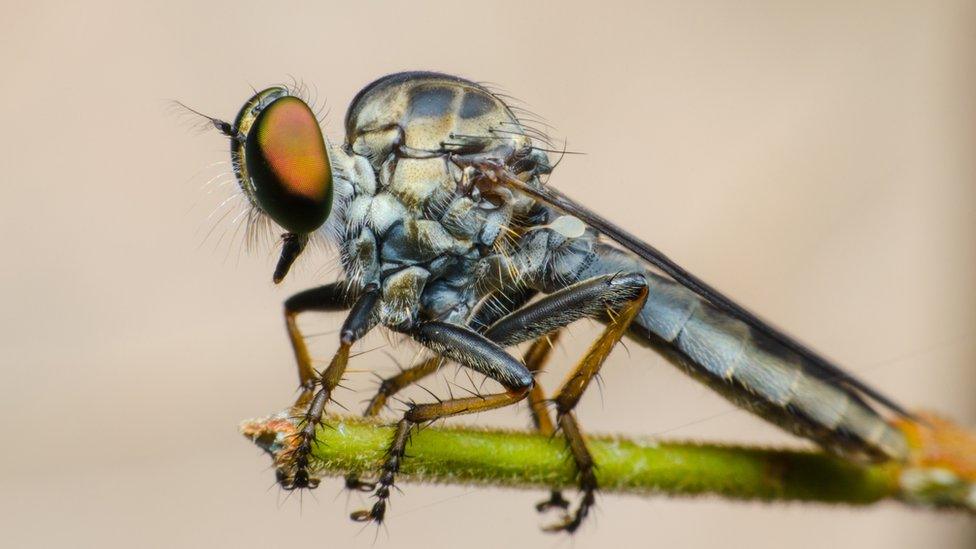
{"points": [[620, 297], [568, 396], [389, 387], [331, 297], [471, 350], [293, 466], [535, 359]]}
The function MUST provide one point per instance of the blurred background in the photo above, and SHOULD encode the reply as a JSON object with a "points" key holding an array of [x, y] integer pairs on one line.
{"points": [[814, 160]]}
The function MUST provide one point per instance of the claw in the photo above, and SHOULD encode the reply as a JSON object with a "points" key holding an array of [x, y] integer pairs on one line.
{"points": [[360, 516], [376, 513], [572, 521], [301, 480], [568, 525], [353, 483], [555, 501]]}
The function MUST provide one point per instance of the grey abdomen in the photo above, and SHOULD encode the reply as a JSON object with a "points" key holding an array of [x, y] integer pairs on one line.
{"points": [[761, 374], [745, 366]]}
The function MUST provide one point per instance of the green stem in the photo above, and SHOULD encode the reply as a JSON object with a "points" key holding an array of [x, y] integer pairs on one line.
{"points": [[516, 459]]}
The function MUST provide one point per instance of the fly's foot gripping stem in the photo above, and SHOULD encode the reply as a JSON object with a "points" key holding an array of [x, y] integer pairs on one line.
{"points": [[473, 351], [391, 466], [294, 465], [617, 297], [535, 359], [293, 472], [586, 476], [389, 387], [568, 396], [555, 501]]}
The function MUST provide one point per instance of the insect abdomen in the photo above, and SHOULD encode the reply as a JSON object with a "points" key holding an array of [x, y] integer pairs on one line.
{"points": [[761, 374], [747, 367]]}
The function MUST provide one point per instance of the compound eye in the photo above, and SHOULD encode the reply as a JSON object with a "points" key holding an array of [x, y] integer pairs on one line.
{"points": [[288, 164]]}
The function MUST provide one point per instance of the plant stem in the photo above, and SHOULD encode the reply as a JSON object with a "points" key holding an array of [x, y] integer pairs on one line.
{"points": [[516, 459]]}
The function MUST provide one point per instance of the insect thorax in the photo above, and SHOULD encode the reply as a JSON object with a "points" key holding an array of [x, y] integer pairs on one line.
{"points": [[416, 222]]}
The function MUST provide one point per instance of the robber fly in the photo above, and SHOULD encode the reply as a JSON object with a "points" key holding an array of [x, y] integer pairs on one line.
{"points": [[448, 235]]}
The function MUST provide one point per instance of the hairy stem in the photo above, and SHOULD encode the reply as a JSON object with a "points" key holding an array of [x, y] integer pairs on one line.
{"points": [[516, 459]]}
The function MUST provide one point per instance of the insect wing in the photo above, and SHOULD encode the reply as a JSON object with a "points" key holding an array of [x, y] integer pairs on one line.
{"points": [[818, 365]]}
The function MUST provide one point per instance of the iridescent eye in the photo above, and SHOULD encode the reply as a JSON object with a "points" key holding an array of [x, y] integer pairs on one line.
{"points": [[286, 160]]}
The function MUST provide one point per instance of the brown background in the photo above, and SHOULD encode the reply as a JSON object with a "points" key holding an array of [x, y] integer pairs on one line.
{"points": [[815, 161]]}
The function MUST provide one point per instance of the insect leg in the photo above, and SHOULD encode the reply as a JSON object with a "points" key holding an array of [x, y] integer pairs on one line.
{"points": [[486, 316], [472, 350], [535, 358], [389, 387], [331, 297], [620, 297], [293, 472], [394, 384], [568, 396]]}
